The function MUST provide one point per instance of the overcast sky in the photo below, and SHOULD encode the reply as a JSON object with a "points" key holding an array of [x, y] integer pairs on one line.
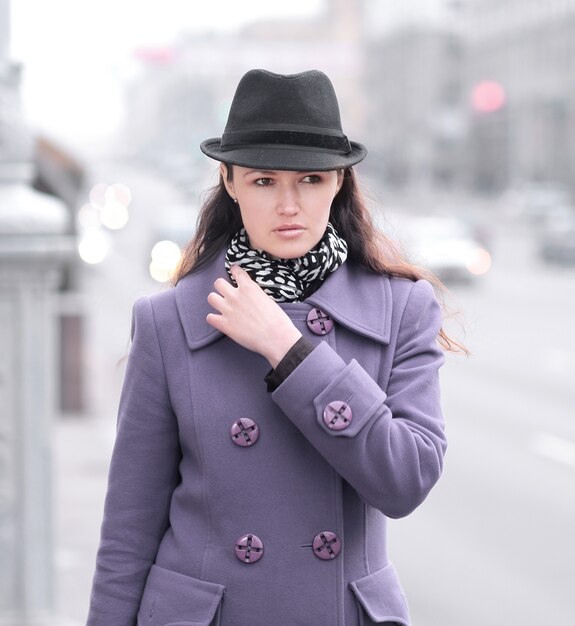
{"points": [[103, 28], [72, 50]]}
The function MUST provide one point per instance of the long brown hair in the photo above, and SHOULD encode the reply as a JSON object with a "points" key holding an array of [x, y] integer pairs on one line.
{"points": [[220, 220]]}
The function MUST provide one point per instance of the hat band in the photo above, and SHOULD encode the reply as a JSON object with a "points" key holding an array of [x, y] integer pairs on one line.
{"points": [[250, 138]]}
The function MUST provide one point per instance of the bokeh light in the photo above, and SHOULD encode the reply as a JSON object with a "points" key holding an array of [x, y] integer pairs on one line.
{"points": [[114, 215], [118, 192], [487, 97], [89, 217], [479, 262], [165, 258], [94, 247], [98, 194], [111, 203]]}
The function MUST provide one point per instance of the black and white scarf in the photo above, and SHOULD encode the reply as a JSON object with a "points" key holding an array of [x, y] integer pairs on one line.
{"points": [[288, 280]]}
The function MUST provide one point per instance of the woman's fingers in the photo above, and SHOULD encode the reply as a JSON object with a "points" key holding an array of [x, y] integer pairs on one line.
{"points": [[223, 287], [239, 274], [216, 300], [215, 320]]}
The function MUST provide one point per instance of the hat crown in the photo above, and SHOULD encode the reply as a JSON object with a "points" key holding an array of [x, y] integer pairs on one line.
{"points": [[268, 101], [285, 122]]}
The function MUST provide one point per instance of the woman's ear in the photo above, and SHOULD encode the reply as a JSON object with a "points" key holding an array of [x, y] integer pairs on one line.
{"points": [[228, 181]]}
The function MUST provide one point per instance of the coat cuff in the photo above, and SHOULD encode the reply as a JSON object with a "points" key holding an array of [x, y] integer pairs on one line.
{"points": [[295, 355], [324, 381]]}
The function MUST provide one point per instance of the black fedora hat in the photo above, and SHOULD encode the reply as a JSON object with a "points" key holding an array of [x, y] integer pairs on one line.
{"points": [[285, 122]]}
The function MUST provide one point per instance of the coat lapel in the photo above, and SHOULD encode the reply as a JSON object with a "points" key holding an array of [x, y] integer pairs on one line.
{"points": [[353, 297], [191, 300], [357, 299]]}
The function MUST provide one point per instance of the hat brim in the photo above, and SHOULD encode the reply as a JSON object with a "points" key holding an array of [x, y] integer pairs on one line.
{"points": [[294, 158]]}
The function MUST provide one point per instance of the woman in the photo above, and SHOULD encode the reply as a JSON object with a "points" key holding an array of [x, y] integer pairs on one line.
{"points": [[237, 503]]}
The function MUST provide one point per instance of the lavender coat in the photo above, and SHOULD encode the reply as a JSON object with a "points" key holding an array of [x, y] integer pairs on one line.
{"points": [[181, 492]]}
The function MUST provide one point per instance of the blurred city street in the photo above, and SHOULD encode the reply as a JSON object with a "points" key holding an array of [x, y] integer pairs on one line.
{"points": [[494, 542], [467, 108]]}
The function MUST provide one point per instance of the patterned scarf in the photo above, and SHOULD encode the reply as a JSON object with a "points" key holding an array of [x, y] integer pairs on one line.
{"points": [[288, 280]]}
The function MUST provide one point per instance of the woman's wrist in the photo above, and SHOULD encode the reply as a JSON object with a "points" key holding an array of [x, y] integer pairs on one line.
{"points": [[277, 349], [295, 355]]}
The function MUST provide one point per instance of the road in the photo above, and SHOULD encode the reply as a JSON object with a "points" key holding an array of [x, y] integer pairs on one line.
{"points": [[495, 542]]}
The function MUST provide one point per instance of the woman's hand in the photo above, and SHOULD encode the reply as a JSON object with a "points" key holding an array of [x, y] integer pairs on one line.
{"points": [[251, 318]]}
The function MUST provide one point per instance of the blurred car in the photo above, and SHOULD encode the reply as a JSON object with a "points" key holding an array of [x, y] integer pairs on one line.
{"points": [[557, 238], [450, 247]]}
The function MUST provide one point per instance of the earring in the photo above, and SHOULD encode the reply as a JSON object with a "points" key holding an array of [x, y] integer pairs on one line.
{"points": [[235, 200]]}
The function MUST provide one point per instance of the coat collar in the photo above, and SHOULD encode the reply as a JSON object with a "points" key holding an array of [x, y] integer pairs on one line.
{"points": [[352, 296]]}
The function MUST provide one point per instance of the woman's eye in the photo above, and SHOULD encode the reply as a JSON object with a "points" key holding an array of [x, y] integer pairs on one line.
{"points": [[263, 182], [312, 178]]}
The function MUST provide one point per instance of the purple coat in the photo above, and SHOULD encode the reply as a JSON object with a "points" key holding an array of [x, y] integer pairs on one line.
{"points": [[231, 506]]}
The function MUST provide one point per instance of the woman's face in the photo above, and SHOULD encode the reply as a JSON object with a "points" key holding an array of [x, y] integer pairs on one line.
{"points": [[284, 213]]}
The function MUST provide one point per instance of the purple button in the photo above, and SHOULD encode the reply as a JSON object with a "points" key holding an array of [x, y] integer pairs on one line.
{"points": [[245, 432], [337, 415], [319, 322], [249, 548], [326, 545]]}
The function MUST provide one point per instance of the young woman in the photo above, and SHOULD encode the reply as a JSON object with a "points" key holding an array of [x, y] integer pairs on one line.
{"points": [[282, 401]]}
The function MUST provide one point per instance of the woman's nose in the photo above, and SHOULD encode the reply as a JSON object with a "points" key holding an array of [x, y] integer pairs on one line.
{"points": [[287, 201]]}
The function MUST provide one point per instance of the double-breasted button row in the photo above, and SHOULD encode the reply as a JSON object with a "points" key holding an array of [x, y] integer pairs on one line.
{"points": [[249, 548]]}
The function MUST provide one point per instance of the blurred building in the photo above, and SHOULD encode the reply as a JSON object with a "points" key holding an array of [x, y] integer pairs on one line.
{"points": [[414, 81], [40, 165], [482, 97], [35, 250], [528, 48]]}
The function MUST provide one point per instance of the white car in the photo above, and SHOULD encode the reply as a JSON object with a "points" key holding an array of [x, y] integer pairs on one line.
{"points": [[447, 246]]}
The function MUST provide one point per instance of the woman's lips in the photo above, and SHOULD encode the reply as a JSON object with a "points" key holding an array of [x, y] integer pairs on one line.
{"points": [[289, 231]]}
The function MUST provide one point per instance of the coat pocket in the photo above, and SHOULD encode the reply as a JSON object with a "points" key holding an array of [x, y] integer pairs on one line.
{"points": [[380, 598], [173, 599]]}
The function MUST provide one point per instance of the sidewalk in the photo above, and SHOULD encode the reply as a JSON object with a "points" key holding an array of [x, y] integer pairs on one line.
{"points": [[81, 453]]}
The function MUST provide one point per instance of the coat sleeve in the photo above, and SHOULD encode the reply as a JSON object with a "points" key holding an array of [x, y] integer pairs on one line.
{"points": [[392, 450], [143, 474]]}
